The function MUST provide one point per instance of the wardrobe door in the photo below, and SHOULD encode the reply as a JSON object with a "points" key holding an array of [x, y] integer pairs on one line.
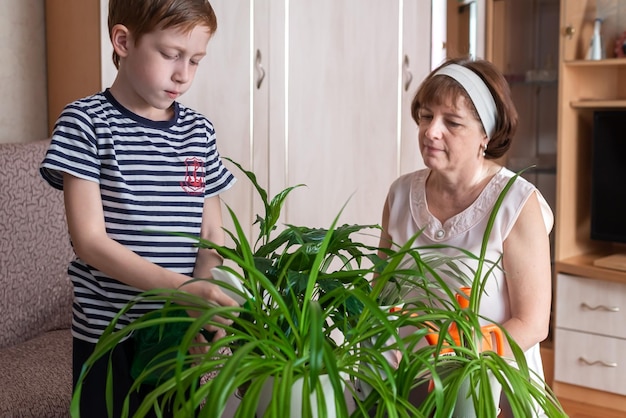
{"points": [[338, 122], [416, 63], [231, 89]]}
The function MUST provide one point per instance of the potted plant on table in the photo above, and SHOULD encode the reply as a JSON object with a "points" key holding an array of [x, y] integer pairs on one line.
{"points": [[310, 319]]}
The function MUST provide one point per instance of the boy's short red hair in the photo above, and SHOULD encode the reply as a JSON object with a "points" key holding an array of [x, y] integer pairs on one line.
{"points": [[144, 16]]}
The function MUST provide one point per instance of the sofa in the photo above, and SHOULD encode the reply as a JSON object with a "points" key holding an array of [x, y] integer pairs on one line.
{"points": [[35, 291]]}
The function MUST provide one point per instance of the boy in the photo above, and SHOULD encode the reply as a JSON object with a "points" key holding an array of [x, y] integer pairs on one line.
{"points": [[132, 159]]}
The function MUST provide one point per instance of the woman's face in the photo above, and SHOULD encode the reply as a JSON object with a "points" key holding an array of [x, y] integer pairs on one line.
{"points": [[450, 136]]}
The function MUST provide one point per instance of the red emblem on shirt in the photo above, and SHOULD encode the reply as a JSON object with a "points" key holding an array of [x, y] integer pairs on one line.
{"points": [[194, 176]]}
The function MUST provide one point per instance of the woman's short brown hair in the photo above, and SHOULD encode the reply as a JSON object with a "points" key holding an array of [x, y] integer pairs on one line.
{"points": [[144, 16], [445, 90]]}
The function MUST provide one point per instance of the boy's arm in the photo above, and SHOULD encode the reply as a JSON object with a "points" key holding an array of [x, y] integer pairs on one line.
{"points": [[211, 230], [85, 220]]}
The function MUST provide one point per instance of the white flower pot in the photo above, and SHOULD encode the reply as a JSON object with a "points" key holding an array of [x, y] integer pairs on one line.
{"points": [[363, 389], [296, 398], [464, 407]]}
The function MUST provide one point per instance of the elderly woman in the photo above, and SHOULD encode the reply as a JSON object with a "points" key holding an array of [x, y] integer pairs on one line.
{"points": [[466, 122]]}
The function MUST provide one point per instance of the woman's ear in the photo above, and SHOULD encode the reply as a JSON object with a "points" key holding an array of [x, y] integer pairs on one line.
{"points": [[120, 39]]}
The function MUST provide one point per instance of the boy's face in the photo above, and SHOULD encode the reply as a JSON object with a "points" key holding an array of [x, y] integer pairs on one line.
{"points": [[159, 68]]}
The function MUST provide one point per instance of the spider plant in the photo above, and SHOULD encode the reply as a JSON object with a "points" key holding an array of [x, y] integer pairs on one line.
{"points": [[308, 306], [311, 312]]}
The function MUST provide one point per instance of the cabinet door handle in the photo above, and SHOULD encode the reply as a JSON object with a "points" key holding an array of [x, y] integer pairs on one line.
{"points": [[596, 362], [259, 68], [407, 72], [600, 307]]}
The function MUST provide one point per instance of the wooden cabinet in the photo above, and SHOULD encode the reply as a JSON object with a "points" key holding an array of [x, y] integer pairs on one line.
{"points": [[591, 336], [313, 92], [583, 335], [592, 306], [578, 361]]}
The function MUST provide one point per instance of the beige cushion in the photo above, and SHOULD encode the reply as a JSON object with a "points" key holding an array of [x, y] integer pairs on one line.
{"points": [[37, 377]]}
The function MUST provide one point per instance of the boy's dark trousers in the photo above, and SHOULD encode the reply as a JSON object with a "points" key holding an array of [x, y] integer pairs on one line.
{"points": [[93, 392]]}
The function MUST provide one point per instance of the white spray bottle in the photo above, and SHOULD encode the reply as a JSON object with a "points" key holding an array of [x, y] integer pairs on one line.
{"points": [[596, 51]]}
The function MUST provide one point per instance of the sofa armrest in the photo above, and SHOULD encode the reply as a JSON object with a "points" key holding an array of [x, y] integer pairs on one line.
{"points": [[35, 291]]}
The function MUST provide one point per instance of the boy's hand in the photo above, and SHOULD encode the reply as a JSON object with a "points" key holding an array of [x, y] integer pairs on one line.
{"points": [[211, 293], [200, 345]]}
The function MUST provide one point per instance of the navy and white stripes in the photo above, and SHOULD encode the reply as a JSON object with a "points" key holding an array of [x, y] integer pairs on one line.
{"points": [[153, 179]]}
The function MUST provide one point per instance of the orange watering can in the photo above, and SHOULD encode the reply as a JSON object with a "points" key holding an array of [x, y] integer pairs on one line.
{"points": [[491, 333]]}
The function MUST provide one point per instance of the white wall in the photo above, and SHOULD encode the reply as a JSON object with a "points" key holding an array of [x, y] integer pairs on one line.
{"points": [[23, 99]]}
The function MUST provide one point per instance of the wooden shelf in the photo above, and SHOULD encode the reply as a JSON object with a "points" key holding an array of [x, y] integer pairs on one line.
{"points": [[596, 63], [582, 265], [598, 104]]}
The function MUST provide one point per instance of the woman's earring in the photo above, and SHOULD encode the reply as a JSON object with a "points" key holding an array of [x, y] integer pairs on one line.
{"points": [[484, 149]]}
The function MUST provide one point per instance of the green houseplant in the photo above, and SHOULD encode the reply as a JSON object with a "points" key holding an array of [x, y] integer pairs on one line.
{"points": [[466, 372], [310, 311]]}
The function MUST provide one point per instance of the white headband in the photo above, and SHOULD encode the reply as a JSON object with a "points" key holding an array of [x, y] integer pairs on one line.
{"points": [[478, 92]]}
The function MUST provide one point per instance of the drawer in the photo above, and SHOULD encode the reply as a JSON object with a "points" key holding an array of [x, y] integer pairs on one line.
{"points": [[590, 360], [591, 305]]}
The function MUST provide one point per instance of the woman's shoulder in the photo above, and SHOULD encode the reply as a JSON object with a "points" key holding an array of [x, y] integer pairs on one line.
{"points": [[521, 184], [406, 180], [404, 187], [521, 190]]}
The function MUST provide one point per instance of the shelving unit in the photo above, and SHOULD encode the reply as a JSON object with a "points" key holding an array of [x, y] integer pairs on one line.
{"points": [[586, 370], [612, 69], [523, 42]]}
